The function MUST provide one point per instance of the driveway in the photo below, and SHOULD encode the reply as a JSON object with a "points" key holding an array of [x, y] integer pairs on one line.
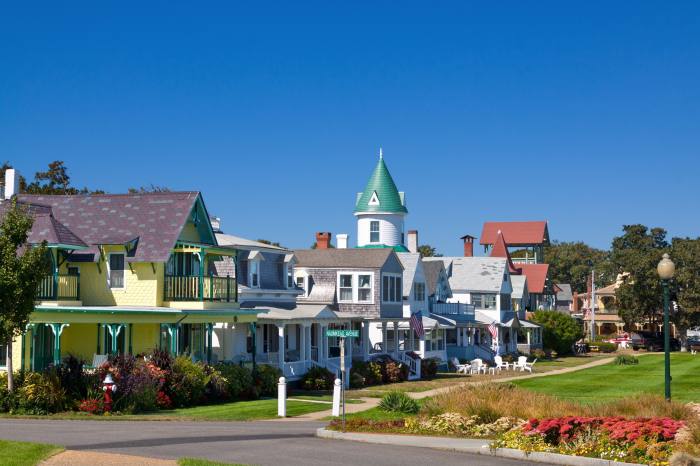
{"points": [[258, 443]]}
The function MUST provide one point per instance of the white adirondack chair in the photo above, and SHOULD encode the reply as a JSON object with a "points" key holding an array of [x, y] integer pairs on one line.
{"points": [[478, 366], [500, 365], [528, 366], [522, 360], [461, 368]]}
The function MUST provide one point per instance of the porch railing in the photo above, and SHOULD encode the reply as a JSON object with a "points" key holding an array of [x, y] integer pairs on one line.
{"points": [[196, 288], [454, 309], [54, 287]]}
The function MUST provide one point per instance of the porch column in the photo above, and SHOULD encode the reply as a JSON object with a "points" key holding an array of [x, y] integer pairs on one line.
{"points": [[467, 338], [421, 346], [280, 345], [57, 330], [114, 331], [365, 340], [411, 338], [173, 331], [210, 332], [385, 345], [323, 341], [254, 337], [527, 333], [459, 336], [303, 353], [396, 340]]}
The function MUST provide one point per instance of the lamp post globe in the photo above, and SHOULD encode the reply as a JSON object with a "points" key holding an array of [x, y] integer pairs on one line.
{"points": [[666, 268]]}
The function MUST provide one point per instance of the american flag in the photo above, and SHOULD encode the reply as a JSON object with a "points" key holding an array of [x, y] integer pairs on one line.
{"points": [[416, 323], [493, 330]]}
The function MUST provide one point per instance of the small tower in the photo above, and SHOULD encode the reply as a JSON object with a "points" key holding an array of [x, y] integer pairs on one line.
{"points": [[380, 210]]}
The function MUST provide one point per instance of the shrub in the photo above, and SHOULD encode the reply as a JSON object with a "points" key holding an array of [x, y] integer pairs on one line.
{"points": [[318, 378], [239, 380], [626, 360], [138, 382], [560, 331], [538, 353], [393, 372], [217, 388], [370, 372], [266, 379], [188, 382], [428, 368], [398, 402], [41, 393], [72, 378], [605, 347]]}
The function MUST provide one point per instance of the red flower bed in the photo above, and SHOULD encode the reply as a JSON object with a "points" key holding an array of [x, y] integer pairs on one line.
{"points": [[617, 428]]}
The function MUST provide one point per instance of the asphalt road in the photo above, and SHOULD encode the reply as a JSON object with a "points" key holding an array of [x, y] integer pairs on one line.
{"points": [[255, 443]]}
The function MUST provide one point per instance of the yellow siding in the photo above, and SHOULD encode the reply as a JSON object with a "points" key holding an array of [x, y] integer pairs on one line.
{"points": [[143, 286], [145, 337], [80, 340], [190, 233]]}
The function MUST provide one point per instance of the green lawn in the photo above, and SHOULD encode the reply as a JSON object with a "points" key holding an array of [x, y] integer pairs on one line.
{"points": [[610, 381], [25, 454], [238, 411]]}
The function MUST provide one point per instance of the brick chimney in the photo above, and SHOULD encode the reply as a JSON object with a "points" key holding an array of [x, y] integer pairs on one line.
{"points": [[323, 240], [412, 243], [468, 245]]}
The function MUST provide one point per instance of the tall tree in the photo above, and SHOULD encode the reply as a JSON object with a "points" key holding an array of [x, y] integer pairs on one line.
{"points": [[21, 269], [686, 255], [427, 250], [55, 180], [572, 263], [637, 253]]}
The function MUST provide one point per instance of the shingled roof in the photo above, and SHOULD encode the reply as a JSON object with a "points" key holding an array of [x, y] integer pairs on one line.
{"points": [[515, 233], [153, 220], [380, 194], [342, 258], [46, 227]]}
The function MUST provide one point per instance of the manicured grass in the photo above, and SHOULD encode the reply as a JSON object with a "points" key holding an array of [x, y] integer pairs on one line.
{"points": [[610, 381], [203, 462], [328, 398], [239, 411], [25, 454]]}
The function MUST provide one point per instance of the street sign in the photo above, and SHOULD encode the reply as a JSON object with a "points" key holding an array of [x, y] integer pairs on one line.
{"points": [[342, 333]]}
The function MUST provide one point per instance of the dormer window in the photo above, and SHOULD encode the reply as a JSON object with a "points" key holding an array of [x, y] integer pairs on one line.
{"points": [[254, 273], [374, 231], [290, 275], [374, 200]]}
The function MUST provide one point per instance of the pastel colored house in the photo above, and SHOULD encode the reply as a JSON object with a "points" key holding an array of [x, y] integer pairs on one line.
{"points": [[130, 273]]}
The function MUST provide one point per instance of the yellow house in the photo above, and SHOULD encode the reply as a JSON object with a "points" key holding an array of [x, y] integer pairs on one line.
{"points": [[130, 273]]}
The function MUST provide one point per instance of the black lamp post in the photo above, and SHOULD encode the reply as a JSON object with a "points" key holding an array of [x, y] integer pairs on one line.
{"points": [[666, 269]]}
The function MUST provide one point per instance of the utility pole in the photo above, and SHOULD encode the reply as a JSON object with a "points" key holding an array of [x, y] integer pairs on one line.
{"points": [[592, 305]]}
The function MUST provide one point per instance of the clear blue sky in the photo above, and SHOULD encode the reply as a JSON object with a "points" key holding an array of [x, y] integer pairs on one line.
{"points": [[573, 112]]}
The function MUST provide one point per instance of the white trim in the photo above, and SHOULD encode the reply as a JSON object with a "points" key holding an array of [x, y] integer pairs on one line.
{"points": [[355, 286], [109, 271], [374, 199], [400, 288], [304, 279]]}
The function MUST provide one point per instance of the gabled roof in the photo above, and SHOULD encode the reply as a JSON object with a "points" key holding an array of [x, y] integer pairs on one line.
{"points": [[564, 293], [153, 221], [515, 233], [500, 249], [519, 282], [474, 273], [343, 258], [410, 262], [536, 277], [431, 270], [46, 227], [380, 194], [243, 243]]}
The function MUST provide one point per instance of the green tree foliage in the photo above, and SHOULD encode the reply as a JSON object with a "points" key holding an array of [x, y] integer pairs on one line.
{"points": [[637, 253], [427, 250], [22, 180], [149, 189], [572, 263], [559, 331], [55, 180], [271, 243], [686, 255], [21, 269]]}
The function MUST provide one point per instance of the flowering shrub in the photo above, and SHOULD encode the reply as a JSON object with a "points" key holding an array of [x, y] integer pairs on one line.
{"points": [[647, 440], [163, 400], [91, 406], [463, 426]]}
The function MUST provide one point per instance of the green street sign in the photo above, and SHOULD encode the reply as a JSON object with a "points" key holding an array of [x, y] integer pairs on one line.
{"points": [[342, 333]]}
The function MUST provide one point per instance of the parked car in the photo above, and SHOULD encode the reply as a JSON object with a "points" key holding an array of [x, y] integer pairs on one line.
{"points": [[693, 343], [651, 341]]}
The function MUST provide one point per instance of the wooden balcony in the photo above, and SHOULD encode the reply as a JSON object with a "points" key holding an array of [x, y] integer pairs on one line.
{"points": [[59, 287], [205, 288]]}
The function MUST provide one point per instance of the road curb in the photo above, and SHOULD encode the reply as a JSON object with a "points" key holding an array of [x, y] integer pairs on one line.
{"points": [[474, 446]]}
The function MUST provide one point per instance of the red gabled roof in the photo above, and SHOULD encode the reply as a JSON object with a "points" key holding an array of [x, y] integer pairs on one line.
{"points": [[500, 249], [536, 276], [515, 233]]}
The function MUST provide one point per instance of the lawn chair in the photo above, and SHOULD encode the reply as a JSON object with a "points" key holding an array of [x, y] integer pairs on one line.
{"points": [[528, 366], [500, 365], [520, 364], [478, 366], [461, 368]]}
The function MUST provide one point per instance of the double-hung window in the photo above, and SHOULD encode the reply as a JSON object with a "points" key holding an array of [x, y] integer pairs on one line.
{"points": [[392, 291], [116, 271], [374, 231], [355, 287], [419, 291], [290, 276], [484, 301], [254, 273]]}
